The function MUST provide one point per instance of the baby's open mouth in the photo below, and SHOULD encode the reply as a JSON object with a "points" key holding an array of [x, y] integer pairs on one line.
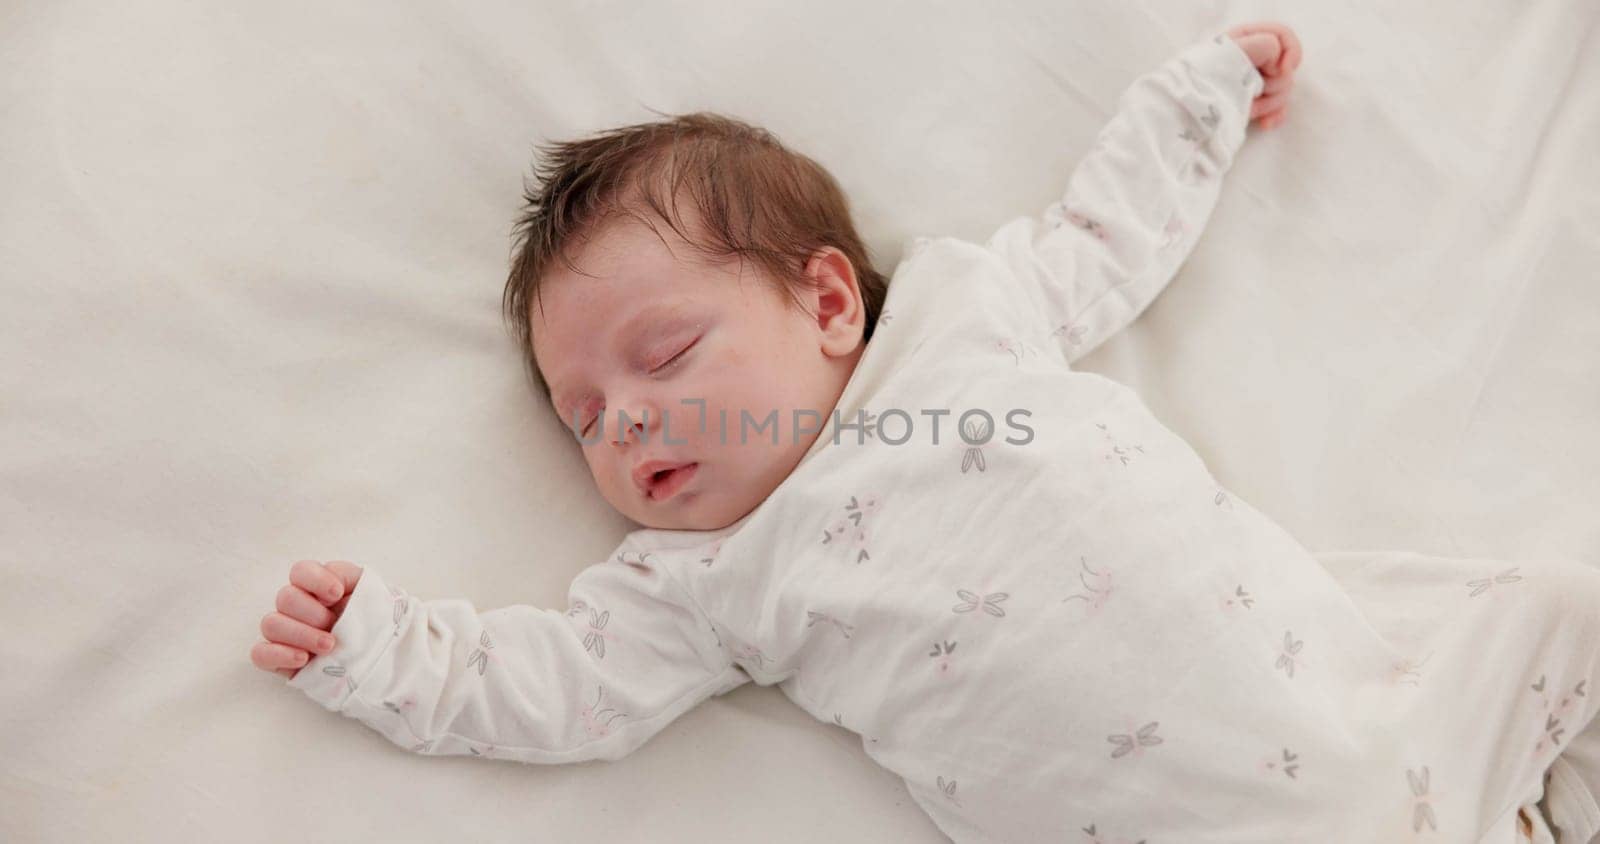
{"points": [[667, 482]]}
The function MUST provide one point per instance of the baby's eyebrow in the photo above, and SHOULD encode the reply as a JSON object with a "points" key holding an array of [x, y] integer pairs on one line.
{"points": [[650, 322]]}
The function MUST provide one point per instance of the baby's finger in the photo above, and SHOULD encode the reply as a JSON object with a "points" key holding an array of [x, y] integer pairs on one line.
{"points": [[280, 628], [270, 656], [1276, 84], [349, 574], [1262, 48], [1291, 51], [295, 603], [1268, 105], [313, 577], [1288, 49]]}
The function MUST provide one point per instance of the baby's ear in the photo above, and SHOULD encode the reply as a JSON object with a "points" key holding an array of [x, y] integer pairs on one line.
{"points": [[834, 296]]}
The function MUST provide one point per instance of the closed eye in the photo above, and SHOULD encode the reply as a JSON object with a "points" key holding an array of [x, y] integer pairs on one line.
{"points": [[677, 358]]}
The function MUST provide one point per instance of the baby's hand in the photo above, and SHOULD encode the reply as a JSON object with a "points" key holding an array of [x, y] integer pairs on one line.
{"points": [[1275, 51], [308, 607]]}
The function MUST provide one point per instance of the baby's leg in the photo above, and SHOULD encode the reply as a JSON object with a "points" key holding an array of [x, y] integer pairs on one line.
{"points": [[1505, 657]]}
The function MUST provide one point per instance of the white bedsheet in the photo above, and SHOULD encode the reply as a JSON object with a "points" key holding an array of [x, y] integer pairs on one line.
{"points": [[251, 260]]}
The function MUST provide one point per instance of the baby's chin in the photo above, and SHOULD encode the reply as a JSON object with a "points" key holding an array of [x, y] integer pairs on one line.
{"points": [[693, 513]]}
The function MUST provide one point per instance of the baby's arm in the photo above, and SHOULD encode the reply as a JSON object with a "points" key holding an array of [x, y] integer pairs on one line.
{"points": [[1135, 205], [631, 653]]}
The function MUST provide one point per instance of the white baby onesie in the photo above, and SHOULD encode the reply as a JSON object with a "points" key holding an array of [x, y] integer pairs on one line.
{"points": [[1050, 620]]}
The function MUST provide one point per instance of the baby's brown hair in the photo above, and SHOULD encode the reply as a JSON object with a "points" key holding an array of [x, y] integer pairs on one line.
{"points": [[755, 198]]}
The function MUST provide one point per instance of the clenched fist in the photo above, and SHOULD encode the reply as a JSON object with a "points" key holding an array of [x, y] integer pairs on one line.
{"points": [[308, 607], [1275, 51]]}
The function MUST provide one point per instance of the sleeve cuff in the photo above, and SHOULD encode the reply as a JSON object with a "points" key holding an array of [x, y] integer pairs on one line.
{"points": [[1222, 65], [369, 625], [1223, 59]]}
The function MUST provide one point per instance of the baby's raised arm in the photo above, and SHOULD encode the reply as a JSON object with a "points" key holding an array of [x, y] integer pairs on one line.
{"points": [[1134, 207], [631, 653]]}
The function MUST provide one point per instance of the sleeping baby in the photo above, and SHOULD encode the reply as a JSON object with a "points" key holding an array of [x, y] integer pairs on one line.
{"points": [[895, 499]]}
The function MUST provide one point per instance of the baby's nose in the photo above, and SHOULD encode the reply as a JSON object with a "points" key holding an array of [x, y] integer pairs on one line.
{"points": [[636, 421]]}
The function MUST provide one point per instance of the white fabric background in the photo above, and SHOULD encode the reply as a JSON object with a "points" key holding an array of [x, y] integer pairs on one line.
{"points": [[251, 259]]}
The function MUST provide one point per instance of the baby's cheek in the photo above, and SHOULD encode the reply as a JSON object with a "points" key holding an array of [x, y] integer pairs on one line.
{"points": [[606, 479]]}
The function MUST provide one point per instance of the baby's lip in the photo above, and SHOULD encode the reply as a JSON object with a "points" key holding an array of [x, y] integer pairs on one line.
{"points": [[664, 487]]}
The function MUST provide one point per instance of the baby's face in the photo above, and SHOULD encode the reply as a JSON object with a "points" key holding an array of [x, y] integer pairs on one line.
{"points": [[654, 333]]}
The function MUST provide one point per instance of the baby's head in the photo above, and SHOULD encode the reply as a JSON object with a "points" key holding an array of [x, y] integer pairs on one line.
{"points": [[666, 346]]}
